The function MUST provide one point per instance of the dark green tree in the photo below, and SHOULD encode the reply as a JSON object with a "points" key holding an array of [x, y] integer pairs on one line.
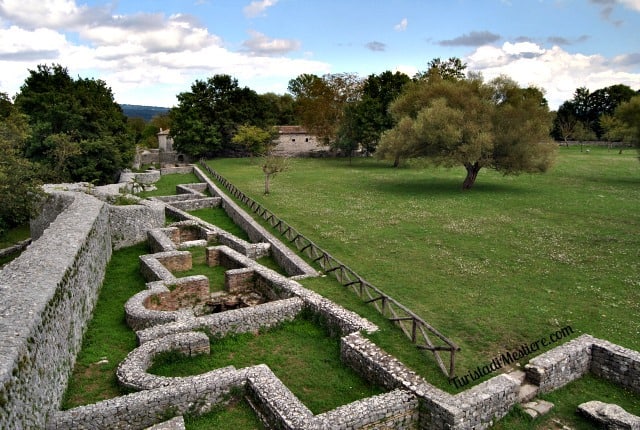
{"points": [[583, 113], [19, 183], [82, 116], [365, 120], [451, 69], [207, 117], [279, 109]]}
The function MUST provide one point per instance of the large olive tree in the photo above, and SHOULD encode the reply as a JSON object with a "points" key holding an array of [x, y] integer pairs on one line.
{"points": [[468, 122]]}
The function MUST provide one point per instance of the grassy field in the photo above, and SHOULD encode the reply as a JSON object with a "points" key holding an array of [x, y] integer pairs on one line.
{"points": [[509, 262]]}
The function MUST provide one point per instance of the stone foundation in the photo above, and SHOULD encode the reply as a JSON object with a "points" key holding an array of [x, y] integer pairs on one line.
{"points": [[48, 295]]}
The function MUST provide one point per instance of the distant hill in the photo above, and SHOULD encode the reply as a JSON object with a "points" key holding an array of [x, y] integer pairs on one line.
{"points": [[144, 112]]}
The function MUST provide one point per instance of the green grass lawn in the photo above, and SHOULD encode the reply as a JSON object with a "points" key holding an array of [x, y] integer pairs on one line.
{"points": [[108, 339], [300, 353], [506, 263], [166, 186]]}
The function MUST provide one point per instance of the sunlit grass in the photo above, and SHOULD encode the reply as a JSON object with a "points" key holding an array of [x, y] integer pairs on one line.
{"points": [[508, 262], [166, 186], [300, 353]]}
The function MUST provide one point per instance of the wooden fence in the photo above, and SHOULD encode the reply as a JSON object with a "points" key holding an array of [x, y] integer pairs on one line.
{"points": [[415, 328]]}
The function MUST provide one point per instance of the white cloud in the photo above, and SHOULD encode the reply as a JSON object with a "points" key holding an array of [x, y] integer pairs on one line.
{"points": [[54, 14], [631, 4], [260, 44], [257, 8], [402, 25], [144, 58], [556, 71]]}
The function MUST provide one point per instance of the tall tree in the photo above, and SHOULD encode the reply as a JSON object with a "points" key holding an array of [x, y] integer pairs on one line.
{"points": [[452, 69], [628, 114], [468, 122], [585, 110], [364, 121], [321, 102], [19, 183], [207, 117], [81, 116]]}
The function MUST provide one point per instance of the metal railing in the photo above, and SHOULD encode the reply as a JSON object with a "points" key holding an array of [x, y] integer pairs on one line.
{"points": [[415, 328]]}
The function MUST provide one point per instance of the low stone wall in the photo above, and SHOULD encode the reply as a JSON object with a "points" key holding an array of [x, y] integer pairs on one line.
{"points": [[477, 408], [129, 223], [48, 294], [252, 250], [143, 409], [139, 317], [287, 259], [616, 364], [146, 178], [561, 365], [243, 320], [176, 169], [195, 204]]}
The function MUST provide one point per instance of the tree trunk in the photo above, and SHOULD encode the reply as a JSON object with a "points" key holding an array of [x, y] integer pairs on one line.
{"points": [[396, 162], [266, 183], [472, 174]]}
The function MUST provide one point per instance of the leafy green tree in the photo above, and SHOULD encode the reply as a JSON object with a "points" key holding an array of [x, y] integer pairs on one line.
{"points": [[628, 114], [471, 123], [365, 120], [19, 183], [258, 141], [67, 114], [279, 109], [207, 117], [321, 102], [453, 69], [588, 108]]}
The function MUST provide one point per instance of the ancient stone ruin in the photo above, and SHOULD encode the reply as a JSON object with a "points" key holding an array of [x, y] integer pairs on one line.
{"points": [[49, 292]]}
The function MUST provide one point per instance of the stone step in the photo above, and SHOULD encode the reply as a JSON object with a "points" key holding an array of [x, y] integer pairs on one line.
{"points": [[536, 408], [517, 375], [527, 392]]}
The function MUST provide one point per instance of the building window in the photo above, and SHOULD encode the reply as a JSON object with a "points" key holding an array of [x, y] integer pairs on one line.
{"points": [[293, 139], [306, 139]]}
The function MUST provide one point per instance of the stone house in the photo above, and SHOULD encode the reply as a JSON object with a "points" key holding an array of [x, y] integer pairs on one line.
{"points": [[296, 141]]}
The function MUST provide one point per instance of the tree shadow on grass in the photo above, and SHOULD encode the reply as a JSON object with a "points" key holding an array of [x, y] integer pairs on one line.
{"points": [[446, 187]]}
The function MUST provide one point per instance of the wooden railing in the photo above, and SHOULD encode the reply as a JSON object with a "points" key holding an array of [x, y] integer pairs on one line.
{"points": [[415, 328]]}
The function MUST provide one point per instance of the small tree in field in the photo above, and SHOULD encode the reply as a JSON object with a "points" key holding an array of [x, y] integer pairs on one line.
{"points": [[468, 122], [272, 165]]}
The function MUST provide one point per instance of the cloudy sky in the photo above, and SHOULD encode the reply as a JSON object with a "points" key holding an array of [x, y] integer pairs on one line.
{"points": [[150, 50]]}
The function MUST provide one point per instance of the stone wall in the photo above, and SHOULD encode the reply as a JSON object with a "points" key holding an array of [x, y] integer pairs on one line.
{"points": [[129, 224], [293, 264], [48, 295], [49, 292]]}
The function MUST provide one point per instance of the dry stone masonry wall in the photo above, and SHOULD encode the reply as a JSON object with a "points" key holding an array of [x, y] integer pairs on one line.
{"points": [[50, 290], [48, 294]]}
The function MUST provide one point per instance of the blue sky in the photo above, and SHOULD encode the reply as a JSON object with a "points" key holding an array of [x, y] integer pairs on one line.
{"points": [[149, 51]]}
